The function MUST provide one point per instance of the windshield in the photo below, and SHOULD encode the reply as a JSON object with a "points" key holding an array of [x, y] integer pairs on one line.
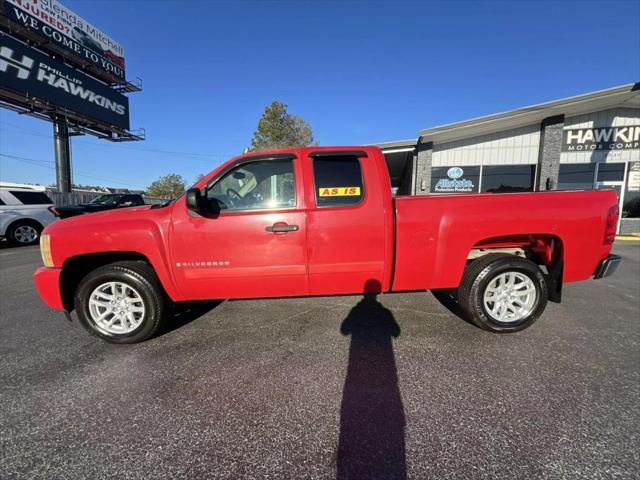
{"points": [[106, 200]]}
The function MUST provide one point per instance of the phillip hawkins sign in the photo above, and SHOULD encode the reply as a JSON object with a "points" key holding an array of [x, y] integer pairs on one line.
{"points": [[28, 72]]}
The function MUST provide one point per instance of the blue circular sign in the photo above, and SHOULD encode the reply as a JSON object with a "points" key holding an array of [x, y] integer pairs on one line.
{"points": [[455, 172]]}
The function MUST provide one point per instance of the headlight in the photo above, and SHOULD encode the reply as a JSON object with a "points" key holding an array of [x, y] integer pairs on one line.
{"points": [[45, 250]]}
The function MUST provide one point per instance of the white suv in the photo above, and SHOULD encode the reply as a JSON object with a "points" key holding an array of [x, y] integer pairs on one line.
{"points": [[24, 212]]}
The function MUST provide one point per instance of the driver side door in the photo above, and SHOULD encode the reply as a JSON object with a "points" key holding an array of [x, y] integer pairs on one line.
{"points": [[256, 246]]}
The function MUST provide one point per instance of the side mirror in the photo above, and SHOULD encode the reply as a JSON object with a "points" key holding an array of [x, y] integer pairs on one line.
{"points": [[194, 200]]}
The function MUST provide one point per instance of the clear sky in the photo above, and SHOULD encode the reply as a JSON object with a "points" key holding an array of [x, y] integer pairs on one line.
{"points": [[358, 71]]}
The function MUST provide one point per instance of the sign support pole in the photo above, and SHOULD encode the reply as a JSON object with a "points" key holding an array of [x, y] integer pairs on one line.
{"points": [[63, 154]]}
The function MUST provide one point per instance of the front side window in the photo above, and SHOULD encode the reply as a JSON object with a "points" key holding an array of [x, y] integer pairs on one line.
{"points": [[106, 200], [338, 181], [130, 199], [258, 185]]}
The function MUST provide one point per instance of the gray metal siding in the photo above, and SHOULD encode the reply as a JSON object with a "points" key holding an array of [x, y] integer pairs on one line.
{"points": [[615, 117], [75, 198], [518, 146]]}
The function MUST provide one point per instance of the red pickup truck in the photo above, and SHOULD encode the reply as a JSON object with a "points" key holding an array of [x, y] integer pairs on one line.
{"points": [[323, 221]]}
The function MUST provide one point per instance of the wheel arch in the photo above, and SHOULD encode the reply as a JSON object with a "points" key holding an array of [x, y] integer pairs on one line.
{"points": [[31, 220], [543, 248], [546, 248], [75, 268]]}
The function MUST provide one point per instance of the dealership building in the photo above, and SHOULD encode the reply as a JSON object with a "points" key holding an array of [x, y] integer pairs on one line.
{"points": [[590, 141]]}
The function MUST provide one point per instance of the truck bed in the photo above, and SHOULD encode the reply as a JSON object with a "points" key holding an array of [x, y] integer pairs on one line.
{"points": [[436, 233]]}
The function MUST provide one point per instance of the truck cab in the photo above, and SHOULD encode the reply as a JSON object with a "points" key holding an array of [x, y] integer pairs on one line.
{"points": [[308, 222]]}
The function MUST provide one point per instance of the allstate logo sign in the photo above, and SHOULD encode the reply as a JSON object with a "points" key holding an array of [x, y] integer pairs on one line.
{"points": [[455, 183], [455, 172]]}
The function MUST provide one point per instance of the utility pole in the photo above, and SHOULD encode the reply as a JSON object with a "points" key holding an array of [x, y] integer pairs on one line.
{"points": [[63, 154]]}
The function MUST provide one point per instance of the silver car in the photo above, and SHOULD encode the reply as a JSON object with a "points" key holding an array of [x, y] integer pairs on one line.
{"points": [[24, 212]]}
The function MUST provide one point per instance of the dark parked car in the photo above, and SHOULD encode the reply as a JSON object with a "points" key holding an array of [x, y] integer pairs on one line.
{"points": [[101, 203]]}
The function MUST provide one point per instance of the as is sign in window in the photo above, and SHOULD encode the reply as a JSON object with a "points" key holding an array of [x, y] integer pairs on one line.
{"points": [[338, 181]]}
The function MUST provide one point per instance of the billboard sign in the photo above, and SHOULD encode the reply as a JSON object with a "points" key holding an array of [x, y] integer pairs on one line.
{"points": [[601, 138], [28, 72], [60, 27]]}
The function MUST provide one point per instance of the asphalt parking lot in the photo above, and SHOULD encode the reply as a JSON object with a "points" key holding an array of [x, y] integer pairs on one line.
{"points": [[324, 388]]}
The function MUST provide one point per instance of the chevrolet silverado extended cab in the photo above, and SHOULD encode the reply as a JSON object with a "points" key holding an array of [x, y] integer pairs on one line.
{"points": [[322, 221]]}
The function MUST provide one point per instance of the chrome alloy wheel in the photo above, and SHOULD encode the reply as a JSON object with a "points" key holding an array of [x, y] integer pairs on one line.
{"points": [[116, 308], [510, 297], [26, 234]]}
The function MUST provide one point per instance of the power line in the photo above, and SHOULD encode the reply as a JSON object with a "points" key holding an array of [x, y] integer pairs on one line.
{"points": [[22, 131], [15, 157], [46, 164]]}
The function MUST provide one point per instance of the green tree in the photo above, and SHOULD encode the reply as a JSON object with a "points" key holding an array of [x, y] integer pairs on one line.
{"points": [[278, 128], [167, 186]]}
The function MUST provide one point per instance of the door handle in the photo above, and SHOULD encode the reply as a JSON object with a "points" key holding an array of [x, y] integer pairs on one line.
{"points": [[281, 228]]}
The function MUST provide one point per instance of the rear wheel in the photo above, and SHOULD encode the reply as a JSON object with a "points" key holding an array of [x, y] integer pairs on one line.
{"points": [[122, 302], [24, 233], [503, 293]]}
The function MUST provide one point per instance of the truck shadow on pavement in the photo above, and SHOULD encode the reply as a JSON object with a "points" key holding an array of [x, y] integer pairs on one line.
{"points": [[184, 313], [372, 421], [447, 298]]}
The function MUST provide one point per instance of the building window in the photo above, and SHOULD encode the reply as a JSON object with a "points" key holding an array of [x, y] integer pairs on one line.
{"points": [[576, 176], [508, 178], [338, 181], [455, 179], [631, 204], [611, 172], [631, 207]]}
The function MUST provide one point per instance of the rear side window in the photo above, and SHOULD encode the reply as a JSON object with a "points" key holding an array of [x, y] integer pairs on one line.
{"points": [[31, 198], [338, 181]]}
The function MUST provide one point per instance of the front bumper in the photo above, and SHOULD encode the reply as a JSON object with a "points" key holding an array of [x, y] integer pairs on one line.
{"points": [[607, 267], [47, 281]]}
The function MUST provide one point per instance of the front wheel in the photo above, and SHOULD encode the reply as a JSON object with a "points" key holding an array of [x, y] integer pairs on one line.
{"points": [[503, 293], [121, 302]]}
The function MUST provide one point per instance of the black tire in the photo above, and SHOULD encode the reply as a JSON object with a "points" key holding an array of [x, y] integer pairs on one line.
{"points": [[14, 229], [142, 278], [481, 272]]}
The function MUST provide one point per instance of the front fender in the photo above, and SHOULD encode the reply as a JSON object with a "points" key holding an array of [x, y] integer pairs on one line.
{"points": [[132, 234]]}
